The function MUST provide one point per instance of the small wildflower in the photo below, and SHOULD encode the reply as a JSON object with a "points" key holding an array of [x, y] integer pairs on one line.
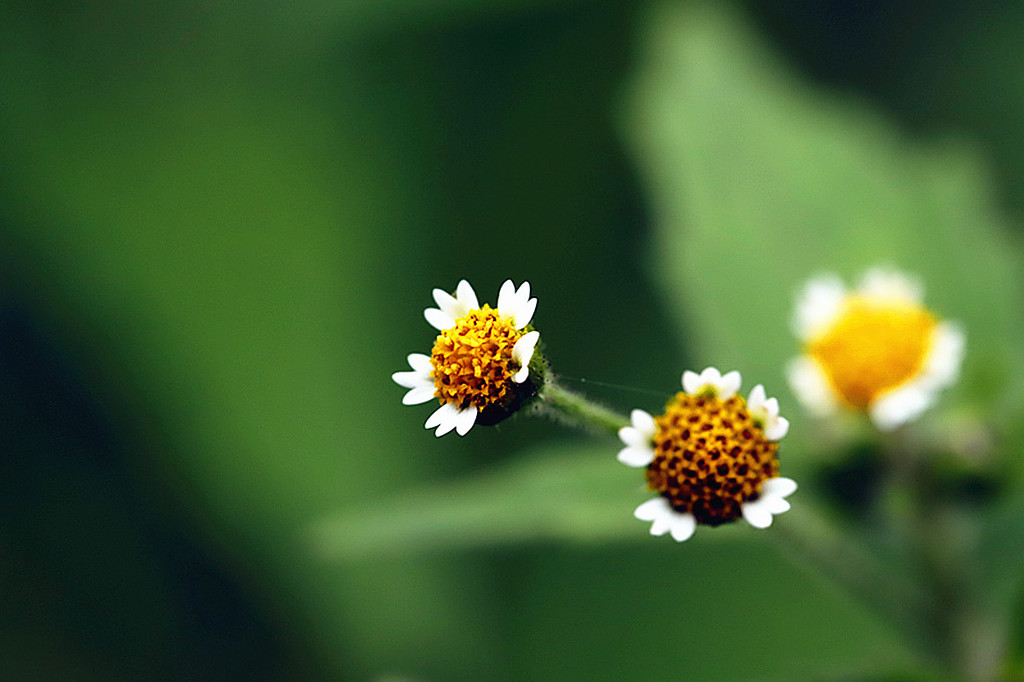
{"points": [[876, 349], [479, 368], [711, 457]]}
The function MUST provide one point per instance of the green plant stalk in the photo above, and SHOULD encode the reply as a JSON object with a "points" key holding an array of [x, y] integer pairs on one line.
{"points": [[943, 541], [575, 410], [816, 544]]}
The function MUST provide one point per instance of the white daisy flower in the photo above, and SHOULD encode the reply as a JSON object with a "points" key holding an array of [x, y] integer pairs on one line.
{"points": [[876, 349], [480, 364], [711, 457]]}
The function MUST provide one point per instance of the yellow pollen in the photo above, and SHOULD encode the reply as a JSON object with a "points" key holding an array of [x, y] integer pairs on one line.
{"points": [[473, 362], [873, 346], [710, 457]]}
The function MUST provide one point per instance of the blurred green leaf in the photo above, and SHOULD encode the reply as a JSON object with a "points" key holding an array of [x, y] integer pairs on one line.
{"points": [[758, 181], [578, 494]]}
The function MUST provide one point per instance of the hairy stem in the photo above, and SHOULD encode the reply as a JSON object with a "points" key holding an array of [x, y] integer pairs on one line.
{"points": [[575, 410]]}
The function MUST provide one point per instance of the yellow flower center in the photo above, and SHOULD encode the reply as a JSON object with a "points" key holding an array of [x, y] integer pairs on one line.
{"points": [[473, 362], [873, 346], [710, 457]]}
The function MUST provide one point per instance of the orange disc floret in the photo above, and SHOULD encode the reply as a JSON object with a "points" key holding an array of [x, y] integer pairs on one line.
{"points": [[472, 361], [710, 457], [872, 347]]}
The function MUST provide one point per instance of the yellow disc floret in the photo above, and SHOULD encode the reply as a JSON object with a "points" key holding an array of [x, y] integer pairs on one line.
{"points": [[472, 361], [710, 457], [873, 346]]}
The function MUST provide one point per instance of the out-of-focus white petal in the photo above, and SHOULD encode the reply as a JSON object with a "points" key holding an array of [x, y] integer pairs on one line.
{"points": [[885, 284], [818, 306], [811, 387], [691, 382], [942, 364], [896, 407]]}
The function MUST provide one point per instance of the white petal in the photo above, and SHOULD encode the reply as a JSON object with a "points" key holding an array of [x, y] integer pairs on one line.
{"points": [[777, 429], [889, 285], [757, 514], [445, 418], [942, 365], [724, 387], [465, 419], [729, 385], [756, 400], [900, 405], [691, 382], [507, 299], [779, 486], [810, 385], [525, 313], [420, 363], [419, 395], [439, 319], [711, 376], [407, 379], [661, 525], [644, 423], [818, 305], [523, 306], [445, 301], [636, 455], [634, 437], [522, 353], [775, 505], [652, 509], [466, 298], [682, 526]]}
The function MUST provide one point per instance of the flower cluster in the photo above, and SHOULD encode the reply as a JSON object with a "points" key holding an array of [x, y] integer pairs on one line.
{"points": [[480, 363], [711, 457], [875, 349]]}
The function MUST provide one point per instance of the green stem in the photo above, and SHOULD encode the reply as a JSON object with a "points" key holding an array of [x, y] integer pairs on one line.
{"points": [[814, 542], [575, 410], [942, 537]]}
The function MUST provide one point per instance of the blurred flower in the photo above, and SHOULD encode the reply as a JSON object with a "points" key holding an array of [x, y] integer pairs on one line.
{"points": [[480, 362], [711, 457], [875, 349]]}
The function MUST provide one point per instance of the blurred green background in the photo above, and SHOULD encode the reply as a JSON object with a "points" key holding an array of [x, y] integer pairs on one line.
{"points": [[220, 223]]}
